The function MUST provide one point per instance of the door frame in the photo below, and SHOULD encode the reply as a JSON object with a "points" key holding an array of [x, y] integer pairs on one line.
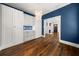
{"points": [[59, 25]]}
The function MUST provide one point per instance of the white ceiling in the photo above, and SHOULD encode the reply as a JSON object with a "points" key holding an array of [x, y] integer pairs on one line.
{"points": [[31, 7]]}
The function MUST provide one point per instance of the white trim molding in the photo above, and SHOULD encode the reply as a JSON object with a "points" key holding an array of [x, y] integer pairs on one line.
{"points": [[63, 41], [10, 45], [43, 35], [69, 43]]}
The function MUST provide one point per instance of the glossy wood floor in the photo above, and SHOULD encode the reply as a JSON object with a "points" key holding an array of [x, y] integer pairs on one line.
{"points": [[48, 46]]}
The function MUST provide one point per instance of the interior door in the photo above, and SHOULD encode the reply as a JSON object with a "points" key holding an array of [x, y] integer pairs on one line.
{"points": [[55, 27], [18, 19]]}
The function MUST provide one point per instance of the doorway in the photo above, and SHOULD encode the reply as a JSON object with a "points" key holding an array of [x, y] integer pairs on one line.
{"points": [[57, 25], [55, 28]]}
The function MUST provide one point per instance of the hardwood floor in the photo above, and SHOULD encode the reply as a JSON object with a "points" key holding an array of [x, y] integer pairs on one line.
{"points": [[48, 46]]}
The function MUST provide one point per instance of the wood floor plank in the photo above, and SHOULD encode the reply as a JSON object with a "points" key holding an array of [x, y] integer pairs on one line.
{"points": [[48, 46]]}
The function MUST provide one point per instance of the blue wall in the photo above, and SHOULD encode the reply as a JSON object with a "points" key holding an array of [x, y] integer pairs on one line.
{"points": [[69, 22]]}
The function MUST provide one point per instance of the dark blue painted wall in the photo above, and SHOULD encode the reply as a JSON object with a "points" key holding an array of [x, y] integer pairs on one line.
{"points": [[69, 22]]}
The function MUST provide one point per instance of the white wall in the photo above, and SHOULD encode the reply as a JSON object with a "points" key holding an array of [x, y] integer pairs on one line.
{"points": [[47, 27], [29, 20], [0, 24], [38, 23]]}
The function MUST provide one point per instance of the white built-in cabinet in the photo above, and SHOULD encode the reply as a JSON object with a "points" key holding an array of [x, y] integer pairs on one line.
{"points": [[11, 26], [18, 21], [6, 26]]}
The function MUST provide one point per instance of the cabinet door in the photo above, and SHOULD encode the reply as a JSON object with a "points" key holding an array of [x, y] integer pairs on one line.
{"points": [[6, 26], [18, 18]]}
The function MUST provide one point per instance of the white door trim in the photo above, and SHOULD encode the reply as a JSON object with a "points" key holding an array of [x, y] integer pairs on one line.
{"points": [[63, 41]]}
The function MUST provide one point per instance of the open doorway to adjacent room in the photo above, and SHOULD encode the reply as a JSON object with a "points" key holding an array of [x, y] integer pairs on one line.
{"points": [[53, 25]]}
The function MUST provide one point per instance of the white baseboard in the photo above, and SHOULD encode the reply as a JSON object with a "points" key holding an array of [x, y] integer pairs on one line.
{"points": [[10, 45], [69, 43], [43, 35], [38, 36]]}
